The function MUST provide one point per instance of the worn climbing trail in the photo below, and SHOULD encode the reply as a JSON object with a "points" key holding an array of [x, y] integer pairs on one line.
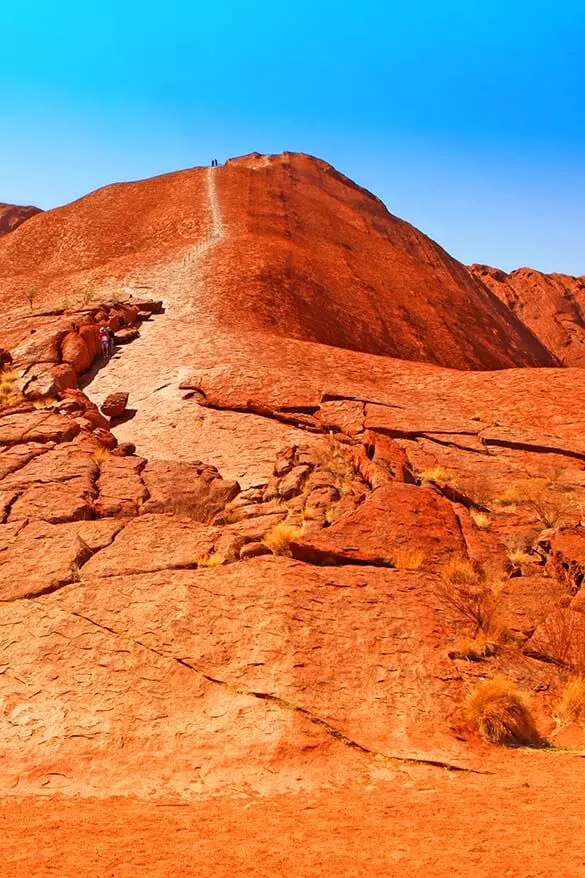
{"points": [[152, 367]]}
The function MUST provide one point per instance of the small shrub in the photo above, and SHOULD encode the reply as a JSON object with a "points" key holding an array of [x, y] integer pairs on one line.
{"points": [[478, 490], [571, 707], [279, 537], [500, 712], [408, 559], [564, 636], [550, 508], [481, 519], [465, 590]]}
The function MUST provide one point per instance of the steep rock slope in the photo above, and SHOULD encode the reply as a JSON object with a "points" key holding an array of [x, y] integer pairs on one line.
{"points": [[551, 305], [13, 215], [309, 255], [249, 600]]}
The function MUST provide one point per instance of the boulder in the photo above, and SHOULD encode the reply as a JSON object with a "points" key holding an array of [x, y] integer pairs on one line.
{"points": [[90, 334], [64, 377], [74, 350], [115, 404], [124, 336], [188, 488], [395, 518]]}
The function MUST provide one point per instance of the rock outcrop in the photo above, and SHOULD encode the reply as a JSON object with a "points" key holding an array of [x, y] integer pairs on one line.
{"points": [[552, 306], [13, 215], [239, 585], [310, 255]]}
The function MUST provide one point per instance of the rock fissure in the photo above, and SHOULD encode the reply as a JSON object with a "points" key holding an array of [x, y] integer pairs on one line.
{"points": [[313, 718], [537, 449]]}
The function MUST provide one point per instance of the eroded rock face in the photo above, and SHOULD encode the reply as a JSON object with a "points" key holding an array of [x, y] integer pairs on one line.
{"points": [[551, 305], [13, 215], [376, 284]]}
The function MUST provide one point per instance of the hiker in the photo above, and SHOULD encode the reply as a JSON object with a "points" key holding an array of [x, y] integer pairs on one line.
{"points": [[111, 341], [105, 342]]}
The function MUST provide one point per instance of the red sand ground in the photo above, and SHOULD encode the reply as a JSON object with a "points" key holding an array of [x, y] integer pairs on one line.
{"points": [[526, 824]]}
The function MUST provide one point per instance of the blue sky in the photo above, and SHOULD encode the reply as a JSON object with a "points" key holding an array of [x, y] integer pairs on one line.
{"points": [[467, 117]]}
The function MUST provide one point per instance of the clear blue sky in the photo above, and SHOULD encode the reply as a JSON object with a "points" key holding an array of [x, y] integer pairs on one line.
{"points": [[467, 117]]}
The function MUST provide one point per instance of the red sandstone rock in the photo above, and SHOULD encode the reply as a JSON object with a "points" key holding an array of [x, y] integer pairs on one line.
{"points": [[550, 305], [12, 216], [65, 377], [394, 518], [425, 307], [187, 489], [74, 350], [89, 332], [125, 336], [114, 405], [149, 657]]}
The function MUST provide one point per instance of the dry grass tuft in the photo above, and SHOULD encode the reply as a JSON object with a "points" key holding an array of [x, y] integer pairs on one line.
{"points": [[8, 393], [475, 648], [549, 508], [334, 456], [481, 519], [470, 595], [438, 475], [408, 559], [500, 712], [478, 490], [279, 537], [571, 707], [518, 557], [47, 403], [459, 571], [564, 637], [210, 560], [101, 454]]}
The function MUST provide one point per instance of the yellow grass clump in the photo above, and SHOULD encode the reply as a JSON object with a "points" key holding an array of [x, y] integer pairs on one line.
{"points": [[481, 519], [501, 713], [408, 559], [571, 707], [8, 393], [101, 454], [518, 557], [212, 560], [437, 474], [46, 403], [279, 537]]}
